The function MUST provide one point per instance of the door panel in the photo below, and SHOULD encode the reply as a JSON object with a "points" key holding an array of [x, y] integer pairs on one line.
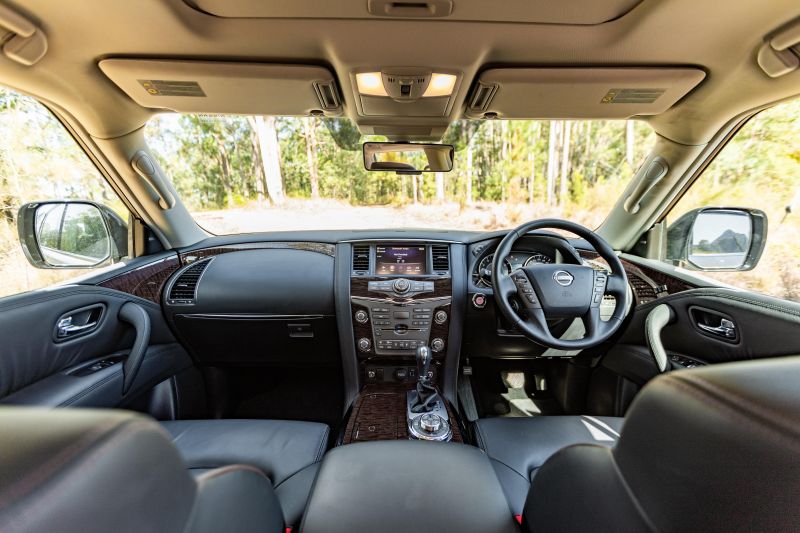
{"points": [[762, 326], [40, 366]]}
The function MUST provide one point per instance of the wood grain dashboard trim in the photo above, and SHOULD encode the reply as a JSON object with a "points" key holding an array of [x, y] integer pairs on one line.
{"points": [[146, 281]]}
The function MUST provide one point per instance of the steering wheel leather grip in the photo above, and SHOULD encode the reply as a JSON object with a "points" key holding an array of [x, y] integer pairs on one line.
{"points": [[549, 291]]}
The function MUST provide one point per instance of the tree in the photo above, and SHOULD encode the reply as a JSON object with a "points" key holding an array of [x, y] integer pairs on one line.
{"points": [[270, 150], [310, 127]]}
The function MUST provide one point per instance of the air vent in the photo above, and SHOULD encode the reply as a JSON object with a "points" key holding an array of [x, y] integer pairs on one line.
{"points": [[361, 259], [326, 93], [481, 97], [184, 289], [441, 257]]}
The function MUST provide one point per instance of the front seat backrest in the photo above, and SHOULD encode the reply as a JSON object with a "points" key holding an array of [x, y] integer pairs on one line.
{"points": [[99, 471], [711, 449]]}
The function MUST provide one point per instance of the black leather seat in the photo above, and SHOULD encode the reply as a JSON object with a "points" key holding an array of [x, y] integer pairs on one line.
{"points": [[710, 449], [287, 452], [98, 471], [519, 446]]}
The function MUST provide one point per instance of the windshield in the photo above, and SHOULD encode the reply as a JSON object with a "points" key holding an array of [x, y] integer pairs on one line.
{"points": [[244, 174]]}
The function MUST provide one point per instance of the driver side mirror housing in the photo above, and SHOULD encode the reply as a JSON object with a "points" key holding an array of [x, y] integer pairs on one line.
{"points": [[71, 234], [718, 239]]}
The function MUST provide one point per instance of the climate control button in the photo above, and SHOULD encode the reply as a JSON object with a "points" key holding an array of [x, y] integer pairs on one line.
{"points": [[437, 344], [361, 316], [440, 317], [364, 344]]}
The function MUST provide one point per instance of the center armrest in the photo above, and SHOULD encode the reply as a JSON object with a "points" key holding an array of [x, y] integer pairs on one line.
{"points": [[407, 486]]}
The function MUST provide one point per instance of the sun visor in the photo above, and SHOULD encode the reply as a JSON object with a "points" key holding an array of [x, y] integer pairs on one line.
{"points": [[579, 93], [226, 87]]}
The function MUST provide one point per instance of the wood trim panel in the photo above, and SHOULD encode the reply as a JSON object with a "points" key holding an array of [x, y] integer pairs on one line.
{"points": [[146, 281], [379, 413], [442, 286], [647, 283]]}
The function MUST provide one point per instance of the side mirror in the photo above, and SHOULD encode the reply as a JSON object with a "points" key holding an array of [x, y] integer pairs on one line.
{"points": [[71, 234], [718, 239]]}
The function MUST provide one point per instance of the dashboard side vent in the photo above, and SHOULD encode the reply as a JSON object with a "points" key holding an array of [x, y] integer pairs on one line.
{"points": [[361, 258], [184, 289], [441, 257]]}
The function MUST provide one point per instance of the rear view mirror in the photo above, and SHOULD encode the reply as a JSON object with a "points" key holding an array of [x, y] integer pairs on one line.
{"points": [[718, 239], [408, 158], [71, 234]]}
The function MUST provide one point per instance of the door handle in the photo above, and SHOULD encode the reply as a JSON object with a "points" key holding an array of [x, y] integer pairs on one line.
{"points": [[66, 328], [725, 329], [137, 317]]}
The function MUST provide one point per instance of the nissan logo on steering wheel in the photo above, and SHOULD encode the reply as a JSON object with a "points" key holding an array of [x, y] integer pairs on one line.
{"points": [[563, 278]]}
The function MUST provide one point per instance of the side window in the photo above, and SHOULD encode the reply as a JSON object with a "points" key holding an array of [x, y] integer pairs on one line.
{"points": [[759, 169], [77, 226]]}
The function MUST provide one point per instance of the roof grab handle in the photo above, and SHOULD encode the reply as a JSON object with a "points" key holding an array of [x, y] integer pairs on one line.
{"points": [[780, 53], [649, 175], [150, 172], [28, 43]]}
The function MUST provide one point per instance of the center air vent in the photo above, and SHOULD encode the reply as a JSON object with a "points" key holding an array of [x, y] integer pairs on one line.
{"points": [[441, 257], [361, 259], [184, 289]]}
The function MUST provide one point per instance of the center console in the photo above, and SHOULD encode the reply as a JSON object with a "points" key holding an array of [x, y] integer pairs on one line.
{"points": [[401, 297], [407, 486]]}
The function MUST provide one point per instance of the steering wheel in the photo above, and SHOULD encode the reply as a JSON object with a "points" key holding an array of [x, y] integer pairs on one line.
{"points": [[549, 291]]}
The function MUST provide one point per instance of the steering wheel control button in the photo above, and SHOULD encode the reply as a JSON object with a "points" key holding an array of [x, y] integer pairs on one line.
{"points": [[440, 317], [478, 301], [361, 316], [364, 344]]}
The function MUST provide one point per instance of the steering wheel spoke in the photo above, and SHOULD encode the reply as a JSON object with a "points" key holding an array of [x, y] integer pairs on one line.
{"points": [[592, 322]]}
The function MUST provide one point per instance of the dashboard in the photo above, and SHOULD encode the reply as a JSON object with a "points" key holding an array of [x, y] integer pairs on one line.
{"points": [[362, 299]]}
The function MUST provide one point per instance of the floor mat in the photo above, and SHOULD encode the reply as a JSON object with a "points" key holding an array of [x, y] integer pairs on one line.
{"points": [[512, 389]]}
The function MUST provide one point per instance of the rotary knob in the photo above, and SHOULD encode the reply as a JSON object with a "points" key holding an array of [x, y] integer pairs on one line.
{"points": [[361, 316], [437, 344], [430, 422], [364, 344], [401, 285], [440, 317]]}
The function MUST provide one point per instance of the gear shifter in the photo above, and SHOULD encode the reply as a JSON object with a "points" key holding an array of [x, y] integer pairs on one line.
{"points": [[426, 392]]}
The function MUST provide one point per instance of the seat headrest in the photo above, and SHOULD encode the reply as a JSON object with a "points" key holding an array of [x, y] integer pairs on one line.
{"points": [[711, 449], [85, 470], [717, 448]]}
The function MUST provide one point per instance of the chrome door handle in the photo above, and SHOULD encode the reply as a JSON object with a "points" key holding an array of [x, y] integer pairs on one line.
{"points": [[725, 329], [65, 327]]}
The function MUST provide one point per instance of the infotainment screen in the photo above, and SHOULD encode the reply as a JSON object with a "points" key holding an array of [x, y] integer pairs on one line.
{"points": [[406, 260]]}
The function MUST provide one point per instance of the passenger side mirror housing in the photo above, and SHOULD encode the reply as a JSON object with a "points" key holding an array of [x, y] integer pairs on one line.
{"points": [[71, 234], [719, 239]]}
